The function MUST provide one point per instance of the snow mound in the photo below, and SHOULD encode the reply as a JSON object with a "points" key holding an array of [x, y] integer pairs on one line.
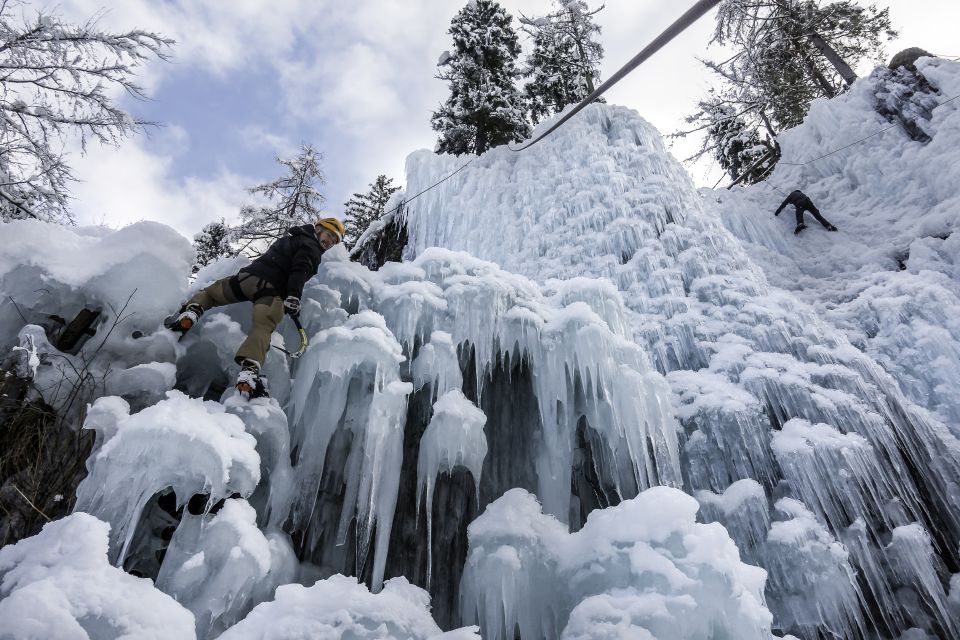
{"points": [[642, 569], [59, 584], [55, 269], [340, 607], [221, 567]]}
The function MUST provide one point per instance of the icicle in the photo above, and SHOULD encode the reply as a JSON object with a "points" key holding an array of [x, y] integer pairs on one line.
{"points": [[363, 356], [437, 365], [185, 444], [453, 438]]}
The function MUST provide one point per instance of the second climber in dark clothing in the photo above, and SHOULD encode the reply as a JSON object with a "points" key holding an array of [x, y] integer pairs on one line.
{"points": [[802, 203], [274, 284]]}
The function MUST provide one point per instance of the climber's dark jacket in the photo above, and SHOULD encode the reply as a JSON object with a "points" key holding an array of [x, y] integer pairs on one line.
{"points": [[289, 262], [798, 199]]}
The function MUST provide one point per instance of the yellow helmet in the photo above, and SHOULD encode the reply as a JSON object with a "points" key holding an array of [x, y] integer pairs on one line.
{"points": [[332, 225]]}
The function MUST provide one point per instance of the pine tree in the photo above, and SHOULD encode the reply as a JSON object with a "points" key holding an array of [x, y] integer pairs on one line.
{"points": [[212, 243], [737, 147], [60, 80], [484, 108], [297, 198], [786, 54], [732, 137], [363, 209], [565, 62]]}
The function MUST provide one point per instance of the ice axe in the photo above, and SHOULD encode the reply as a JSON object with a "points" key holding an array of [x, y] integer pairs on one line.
{"points": [[303, 340]]}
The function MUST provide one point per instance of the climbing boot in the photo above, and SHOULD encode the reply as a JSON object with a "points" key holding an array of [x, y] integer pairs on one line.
{"points": [[249, 383], [831, 228], [800, 227], [189, 315]]}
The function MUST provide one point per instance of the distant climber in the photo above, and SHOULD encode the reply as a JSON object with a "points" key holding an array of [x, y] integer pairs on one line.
{"points": [[274, 284], [803, 203]]}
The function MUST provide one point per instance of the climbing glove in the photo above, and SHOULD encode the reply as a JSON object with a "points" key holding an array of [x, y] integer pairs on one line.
{"points": [[291, 306]]}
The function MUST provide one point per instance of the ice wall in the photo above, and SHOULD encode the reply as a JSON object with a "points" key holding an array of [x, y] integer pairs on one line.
{"points": [[449, 322], [767, 389], [890, 279], [430, 388]]}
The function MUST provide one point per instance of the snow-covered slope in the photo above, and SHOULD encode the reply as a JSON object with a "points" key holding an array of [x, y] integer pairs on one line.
{"points": [[592, 403], [890, 280]]}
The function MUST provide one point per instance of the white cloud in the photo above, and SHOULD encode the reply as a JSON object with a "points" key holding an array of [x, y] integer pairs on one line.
{"points": [[128, 183], [257, 137], [213, 36], [353, 87]]}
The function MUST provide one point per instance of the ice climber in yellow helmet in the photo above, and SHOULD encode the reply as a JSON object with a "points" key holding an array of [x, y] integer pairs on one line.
{"points": [[274, 284]]}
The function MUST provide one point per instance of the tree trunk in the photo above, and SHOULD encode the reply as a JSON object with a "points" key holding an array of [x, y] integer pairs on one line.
{"points": [[834, 58], [480, 140], [825, 85], [767, 125], [584, 67]]}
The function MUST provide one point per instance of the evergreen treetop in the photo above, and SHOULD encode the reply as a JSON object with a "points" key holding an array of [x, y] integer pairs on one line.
{"points": [[363, 209], [212, 243], [564, 65], [297, 201], [484, 108]]}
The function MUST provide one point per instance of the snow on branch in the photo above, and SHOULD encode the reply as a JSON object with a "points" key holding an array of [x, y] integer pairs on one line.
{"points": [[57, 82]]}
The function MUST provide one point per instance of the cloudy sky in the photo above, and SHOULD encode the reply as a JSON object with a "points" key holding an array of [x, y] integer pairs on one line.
{"points": [[251, 79]]}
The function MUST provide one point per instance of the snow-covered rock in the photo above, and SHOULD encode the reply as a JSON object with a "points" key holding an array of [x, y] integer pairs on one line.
{"points": [[59, 584], [642, 569], [339, 607]]}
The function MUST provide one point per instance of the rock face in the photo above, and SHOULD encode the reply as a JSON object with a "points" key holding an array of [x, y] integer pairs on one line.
{"points": [[908, 57], [382, 244]]}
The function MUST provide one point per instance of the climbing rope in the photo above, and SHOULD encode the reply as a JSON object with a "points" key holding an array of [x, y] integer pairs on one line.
{"points": [[435, 184], [855, 142], [684, 21], [692, 15], [829, 153]]}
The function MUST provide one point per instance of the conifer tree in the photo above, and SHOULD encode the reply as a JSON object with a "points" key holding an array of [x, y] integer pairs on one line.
{"points": [[297, 201], [212, 243], [484, 108], [564, 65], [737, 147], [786, 53], [363, 209]]}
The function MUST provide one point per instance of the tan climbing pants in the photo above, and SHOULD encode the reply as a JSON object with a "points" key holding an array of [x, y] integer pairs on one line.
{"points": [[267, 310]]}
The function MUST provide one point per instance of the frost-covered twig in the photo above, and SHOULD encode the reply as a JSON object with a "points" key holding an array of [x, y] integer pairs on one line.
{"points": [[55, 83], [29, 502]]}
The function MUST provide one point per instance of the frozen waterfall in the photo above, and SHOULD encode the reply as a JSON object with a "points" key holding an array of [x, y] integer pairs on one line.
{"points": [[592, 402]]}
